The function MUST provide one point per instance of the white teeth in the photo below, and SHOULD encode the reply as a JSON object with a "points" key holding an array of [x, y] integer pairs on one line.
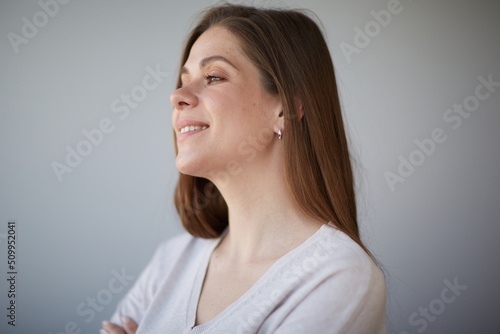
{"points": [[193, 128]]}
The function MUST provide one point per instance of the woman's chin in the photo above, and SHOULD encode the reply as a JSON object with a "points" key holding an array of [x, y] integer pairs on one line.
{"points": [[189, 166]]}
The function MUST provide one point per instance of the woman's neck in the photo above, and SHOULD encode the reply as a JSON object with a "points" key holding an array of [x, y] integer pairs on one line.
{"points": [[264, 221]]}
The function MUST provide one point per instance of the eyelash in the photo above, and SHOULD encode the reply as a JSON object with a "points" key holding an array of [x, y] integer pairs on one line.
{"points": [[210, 77]]}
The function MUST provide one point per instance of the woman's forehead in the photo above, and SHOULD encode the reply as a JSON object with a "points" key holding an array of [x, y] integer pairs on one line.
{"points": [[216, 41]]}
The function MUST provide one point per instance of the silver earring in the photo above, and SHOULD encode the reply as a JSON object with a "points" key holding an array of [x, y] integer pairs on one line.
{"points": [[279, 134]]}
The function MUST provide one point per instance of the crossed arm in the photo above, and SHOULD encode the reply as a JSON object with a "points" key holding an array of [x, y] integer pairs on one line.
{"points": [[129, 326]]}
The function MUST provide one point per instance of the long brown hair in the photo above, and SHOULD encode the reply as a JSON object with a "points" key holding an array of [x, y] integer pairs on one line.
{"points": [[293, 59]]}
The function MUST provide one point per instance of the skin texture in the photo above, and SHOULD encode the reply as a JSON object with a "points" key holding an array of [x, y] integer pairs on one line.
{"points": [[241, 154]]}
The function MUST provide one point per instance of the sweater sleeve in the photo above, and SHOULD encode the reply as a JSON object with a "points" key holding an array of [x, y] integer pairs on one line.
{"points": [[348, 301], [136, 301]]}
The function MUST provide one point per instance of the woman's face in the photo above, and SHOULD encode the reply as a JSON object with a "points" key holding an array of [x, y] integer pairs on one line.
{"points": [[223, 119]]}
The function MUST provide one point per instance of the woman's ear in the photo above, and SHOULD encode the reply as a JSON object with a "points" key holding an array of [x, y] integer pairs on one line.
{"points": [[279, 122], [300, 109], [278, 118]]}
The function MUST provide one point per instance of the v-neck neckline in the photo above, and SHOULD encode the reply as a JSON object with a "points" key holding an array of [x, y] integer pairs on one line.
{"points": [[198, 282], [203, 269]]}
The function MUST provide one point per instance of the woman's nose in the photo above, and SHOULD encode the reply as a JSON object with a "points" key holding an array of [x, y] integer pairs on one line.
{"points": [[183, 97]]}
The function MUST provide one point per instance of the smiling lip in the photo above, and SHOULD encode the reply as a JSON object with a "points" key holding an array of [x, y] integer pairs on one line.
{"points": [[187, 127]]}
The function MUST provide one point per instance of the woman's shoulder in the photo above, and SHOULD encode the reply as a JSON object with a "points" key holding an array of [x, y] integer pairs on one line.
{"points": [[345, 259], [340, 246], [180, 245], [334, 273], [180, 240]]}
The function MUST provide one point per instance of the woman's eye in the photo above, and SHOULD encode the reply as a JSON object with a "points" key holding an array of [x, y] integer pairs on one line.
{"points": [[211, 78]]}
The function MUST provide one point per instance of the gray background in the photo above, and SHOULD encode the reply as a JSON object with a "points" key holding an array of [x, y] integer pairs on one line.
{"points": [[113, 209]]}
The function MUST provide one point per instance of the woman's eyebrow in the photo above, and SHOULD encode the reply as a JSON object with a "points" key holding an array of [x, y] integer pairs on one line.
{"points": [[207, 61]]}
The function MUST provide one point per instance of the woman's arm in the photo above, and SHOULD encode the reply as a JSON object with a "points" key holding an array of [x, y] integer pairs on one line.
{"points": [[347, 302], [129, 326]]}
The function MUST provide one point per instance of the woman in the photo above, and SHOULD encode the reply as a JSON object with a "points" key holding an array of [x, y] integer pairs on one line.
{"points": [[265, 191]]}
